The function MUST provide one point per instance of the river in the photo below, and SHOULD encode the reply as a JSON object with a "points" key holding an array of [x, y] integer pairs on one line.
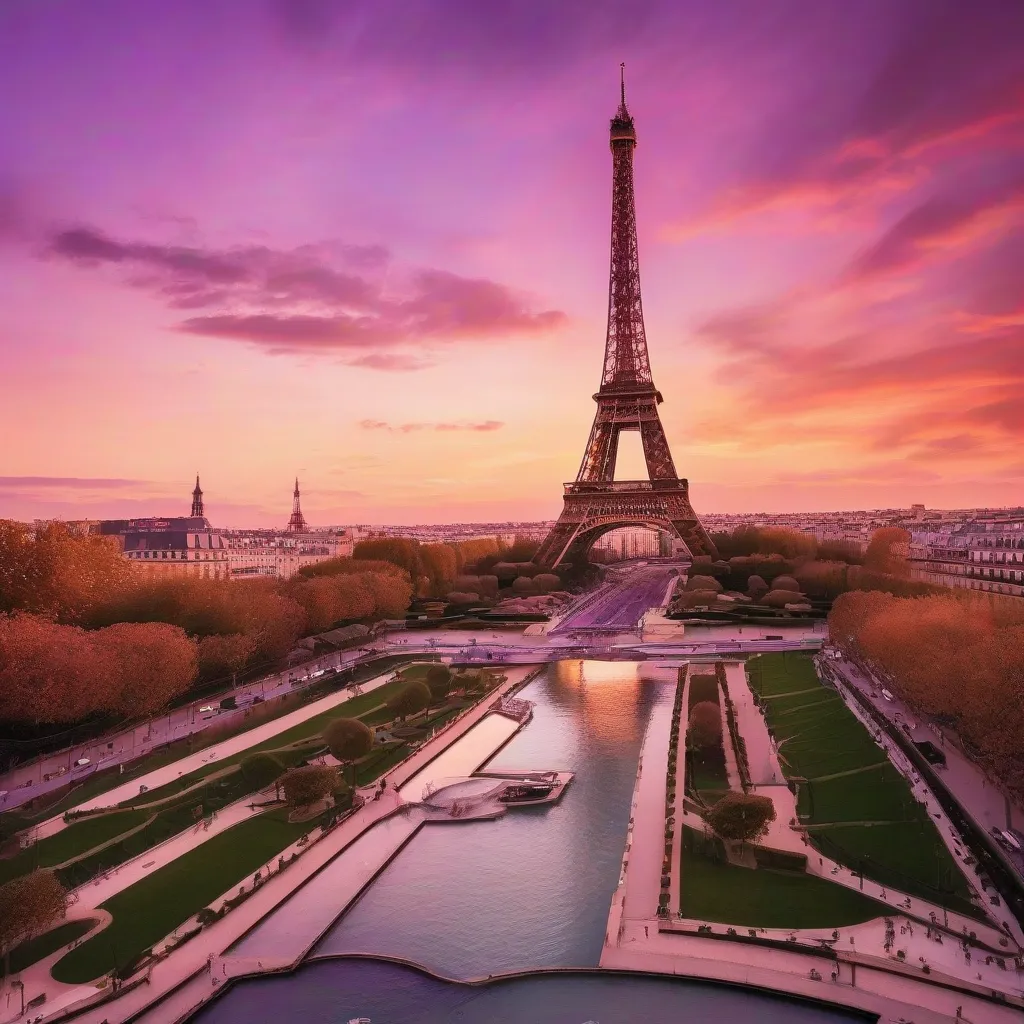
{"points": [[529, 890]]}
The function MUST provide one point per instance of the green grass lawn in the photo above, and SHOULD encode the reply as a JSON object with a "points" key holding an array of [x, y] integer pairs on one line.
{"points": [[153, 907], [70, 842], [820, 736], [894, 854], [713, 891], [310, 730], [41, 946], [100, 782]]}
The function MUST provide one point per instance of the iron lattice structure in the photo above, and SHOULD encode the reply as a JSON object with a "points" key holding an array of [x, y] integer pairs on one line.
{"points": [[627, 400], [297, 521], [197, 500]]}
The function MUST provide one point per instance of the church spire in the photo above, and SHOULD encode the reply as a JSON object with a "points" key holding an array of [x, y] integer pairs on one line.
{"points": [[197, 501]]}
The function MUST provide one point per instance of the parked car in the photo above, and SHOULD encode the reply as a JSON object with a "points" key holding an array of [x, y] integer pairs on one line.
{"points": [[82, 762], [207, 707], [887, 695]]}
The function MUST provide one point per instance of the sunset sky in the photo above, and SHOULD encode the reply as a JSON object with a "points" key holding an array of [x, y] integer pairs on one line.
{"points": [[365, 242]]}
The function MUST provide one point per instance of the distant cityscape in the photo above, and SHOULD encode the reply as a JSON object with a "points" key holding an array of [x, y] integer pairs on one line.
{"points": [[977, 548]]}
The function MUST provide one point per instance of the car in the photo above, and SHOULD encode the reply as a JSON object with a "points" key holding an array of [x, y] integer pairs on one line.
{"points": [[82, 762], [207, 707], [887, 695]]}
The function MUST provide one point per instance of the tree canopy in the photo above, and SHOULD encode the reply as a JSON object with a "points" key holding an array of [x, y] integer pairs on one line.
{"points": [[704, 726], [742, 817], [413, 697], [304, 786], [958, 655], [29, 905], [348, 739]]}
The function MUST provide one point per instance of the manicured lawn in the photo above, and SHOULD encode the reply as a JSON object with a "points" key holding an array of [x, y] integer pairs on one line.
{"points": [[712, 891], [154, 906], [71, 842], [894, 855], [879, 794], [820, 736], [100, 782], [309, 730], [34, 950], [781, 673]]}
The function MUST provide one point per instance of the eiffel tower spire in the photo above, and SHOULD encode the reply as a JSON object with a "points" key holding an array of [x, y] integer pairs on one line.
{"points": [[626, 400]]}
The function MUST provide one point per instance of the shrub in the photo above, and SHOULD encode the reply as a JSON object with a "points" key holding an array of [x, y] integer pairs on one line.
{"points": [[260, 770], [704, 583], [756, 586], [785, 583], [780, 598], [411, 698], [705, 725]]}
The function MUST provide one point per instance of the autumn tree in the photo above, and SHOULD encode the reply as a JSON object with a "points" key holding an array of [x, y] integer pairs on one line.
{"points": [[704, 727], [308, 784], [224, 654], [888, 550], [742, 817], [56, 573], [55, 673], [788, 543], [29, 905], [441, 567], [412, 698], [348, 739], [401, 551]]}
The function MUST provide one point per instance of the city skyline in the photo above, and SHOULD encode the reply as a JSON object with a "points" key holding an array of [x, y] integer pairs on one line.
{"points": [[830, 208]]}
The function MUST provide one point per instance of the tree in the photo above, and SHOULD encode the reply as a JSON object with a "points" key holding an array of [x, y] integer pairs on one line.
{"points": [[756, 587], [704, 728], [413, 697], [742, 817], [28, 906], [304, 786], [348, 740], [57, 573], [785, 583], [260, 770], [439, 682], [888, 550], [400, 551], [55, 673]]}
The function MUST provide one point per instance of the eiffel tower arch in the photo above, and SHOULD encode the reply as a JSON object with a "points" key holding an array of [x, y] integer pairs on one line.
{"points": [[596, 503]]}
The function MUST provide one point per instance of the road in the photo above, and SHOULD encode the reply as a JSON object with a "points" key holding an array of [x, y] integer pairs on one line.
{"points": [[621, 605], [30, 780], [981, 798]]}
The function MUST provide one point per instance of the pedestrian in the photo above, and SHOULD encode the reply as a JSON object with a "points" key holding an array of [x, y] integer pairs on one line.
{"points": [[646, 933]]}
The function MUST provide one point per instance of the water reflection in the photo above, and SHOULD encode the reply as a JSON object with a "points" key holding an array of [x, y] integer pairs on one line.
{"points": [[532, 888]]}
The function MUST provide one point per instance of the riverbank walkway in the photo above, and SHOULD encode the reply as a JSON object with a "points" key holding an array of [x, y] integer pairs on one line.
{"points": [[189, 963]]}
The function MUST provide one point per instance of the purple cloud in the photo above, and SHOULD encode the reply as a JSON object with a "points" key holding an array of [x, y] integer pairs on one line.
{"points": [[295, 301]]}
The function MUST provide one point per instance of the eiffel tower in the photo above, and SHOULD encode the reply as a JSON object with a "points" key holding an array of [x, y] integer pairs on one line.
{"points": [[627, 399]]}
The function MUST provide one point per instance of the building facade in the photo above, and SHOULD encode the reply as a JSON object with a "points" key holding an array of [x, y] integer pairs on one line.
{"points": [[182, 546], [984, 554], [280, 555]]}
